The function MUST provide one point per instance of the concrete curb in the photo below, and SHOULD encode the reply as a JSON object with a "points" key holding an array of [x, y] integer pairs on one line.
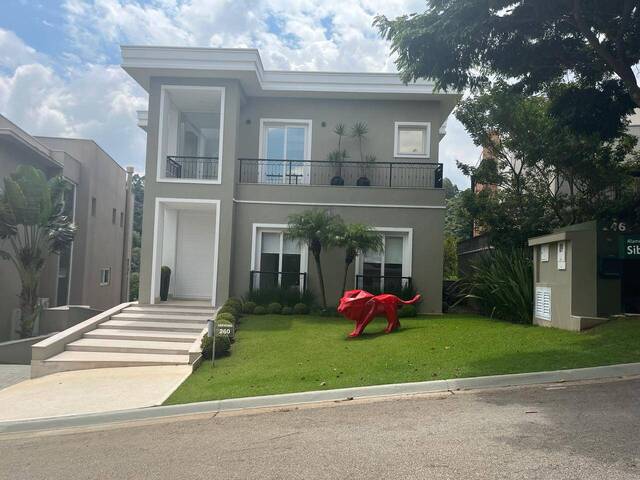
{"points": [[290, 399]]}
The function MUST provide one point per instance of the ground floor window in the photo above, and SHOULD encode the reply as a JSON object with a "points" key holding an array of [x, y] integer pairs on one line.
{"points": [[278, 260], [390, 269]]}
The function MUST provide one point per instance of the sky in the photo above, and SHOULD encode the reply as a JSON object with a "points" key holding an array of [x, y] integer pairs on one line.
{"points": [[60, 60]]}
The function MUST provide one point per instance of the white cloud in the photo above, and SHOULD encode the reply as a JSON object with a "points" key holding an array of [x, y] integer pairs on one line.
{"points": [[94, 98]]}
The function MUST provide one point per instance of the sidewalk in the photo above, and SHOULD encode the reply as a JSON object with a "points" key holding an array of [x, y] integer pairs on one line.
{"points": [[83, 392], [135, 389]]}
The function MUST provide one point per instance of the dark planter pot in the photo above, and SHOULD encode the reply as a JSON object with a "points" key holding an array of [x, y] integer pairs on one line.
{"points": [[165, 279], [337, 180], [363, 182]]}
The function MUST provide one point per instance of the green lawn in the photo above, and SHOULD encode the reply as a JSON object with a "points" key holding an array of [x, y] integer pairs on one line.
{"points": [[282, 354]]}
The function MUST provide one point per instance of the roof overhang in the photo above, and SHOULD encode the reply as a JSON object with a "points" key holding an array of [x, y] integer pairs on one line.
{"points": [[10, 132], [245, 65]]}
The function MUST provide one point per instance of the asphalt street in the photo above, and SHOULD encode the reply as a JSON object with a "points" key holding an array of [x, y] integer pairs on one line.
{"points": [[577, 431]]}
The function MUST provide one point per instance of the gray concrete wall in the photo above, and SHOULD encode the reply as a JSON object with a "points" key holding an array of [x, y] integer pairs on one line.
{"points": [[99, 242], [224, 191], [427, 228], [548, 275], [241, 131]]}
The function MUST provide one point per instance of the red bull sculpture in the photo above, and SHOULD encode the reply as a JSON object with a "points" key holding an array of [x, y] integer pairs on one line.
{"points": [[362, 307]]}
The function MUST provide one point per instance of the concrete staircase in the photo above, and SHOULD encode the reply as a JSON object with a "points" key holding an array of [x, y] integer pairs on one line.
{"points": [[138, 335]]}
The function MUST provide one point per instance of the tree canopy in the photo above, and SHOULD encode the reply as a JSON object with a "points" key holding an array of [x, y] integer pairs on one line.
{"points": [[589, 47], [546, 174]]}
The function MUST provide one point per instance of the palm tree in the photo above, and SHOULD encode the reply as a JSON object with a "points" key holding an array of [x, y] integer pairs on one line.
{"points": [[356, 239], [33, 223], [318, 229]]}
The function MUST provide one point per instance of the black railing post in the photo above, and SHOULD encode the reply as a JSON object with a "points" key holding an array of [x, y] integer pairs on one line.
{"points": [[251, 281], [240, 172], [289, 172], [391, 174], [438, 177]]}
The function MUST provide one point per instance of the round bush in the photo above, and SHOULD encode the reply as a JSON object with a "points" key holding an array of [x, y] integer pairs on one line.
{"points": [[301, 309], [226, 317], [229, 309], [287, 310], [274, 308], [259, 310], [407, 311], [248, 307], [234, 302], [223, 346]]}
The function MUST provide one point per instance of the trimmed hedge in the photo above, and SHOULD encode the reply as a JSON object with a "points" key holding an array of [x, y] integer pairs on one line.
{"points": [[223, 346], [301, 309], [259, 310], [248, 307], [274, 308], [407, 311], [287, 311]]}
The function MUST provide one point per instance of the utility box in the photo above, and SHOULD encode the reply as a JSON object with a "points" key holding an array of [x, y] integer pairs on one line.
{"points": [[585, 273]]}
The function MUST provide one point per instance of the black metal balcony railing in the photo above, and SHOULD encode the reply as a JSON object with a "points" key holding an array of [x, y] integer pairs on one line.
{"points": [[266, 280], [201, 168], [382, 284], [319, 172]]}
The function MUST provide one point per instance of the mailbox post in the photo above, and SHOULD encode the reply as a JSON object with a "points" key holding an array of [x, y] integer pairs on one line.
{"points": [[215, 330]]}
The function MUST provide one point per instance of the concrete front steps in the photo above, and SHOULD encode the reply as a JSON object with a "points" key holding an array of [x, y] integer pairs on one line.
{"points": [[135, 335]]}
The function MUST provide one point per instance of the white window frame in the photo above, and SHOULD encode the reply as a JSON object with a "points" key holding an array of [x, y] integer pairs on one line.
{"points": [[160, 172], [396, 140], [284, 122], [105, 282], [407, 251], [256, 248]]}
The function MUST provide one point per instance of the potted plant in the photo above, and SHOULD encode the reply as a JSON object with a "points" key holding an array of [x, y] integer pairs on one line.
{"points": [[165, 279], [364, 181], [338, 156]]}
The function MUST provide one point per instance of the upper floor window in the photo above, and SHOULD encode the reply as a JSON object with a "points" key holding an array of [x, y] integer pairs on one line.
{"points": [[284, 145], [412, 139], [190, 134], [105, 276]]}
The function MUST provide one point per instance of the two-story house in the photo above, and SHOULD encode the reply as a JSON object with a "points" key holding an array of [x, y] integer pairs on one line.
{"points": [[234, 149]]}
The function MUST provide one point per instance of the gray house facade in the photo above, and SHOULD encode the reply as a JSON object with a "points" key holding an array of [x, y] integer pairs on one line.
{"points": [[233, 150], [94, 269]]}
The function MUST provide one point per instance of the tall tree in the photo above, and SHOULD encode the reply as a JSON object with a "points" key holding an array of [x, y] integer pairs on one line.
{"points": [[546, 175], [591, 45], [33, 223], [318, 229], [357, 238]]}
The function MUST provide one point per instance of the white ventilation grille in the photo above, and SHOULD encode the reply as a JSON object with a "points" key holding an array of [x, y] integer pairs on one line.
{"points": [[543, 303]]}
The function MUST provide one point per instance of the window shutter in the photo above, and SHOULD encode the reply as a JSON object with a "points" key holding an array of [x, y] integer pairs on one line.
{"points": [[543, 303]]}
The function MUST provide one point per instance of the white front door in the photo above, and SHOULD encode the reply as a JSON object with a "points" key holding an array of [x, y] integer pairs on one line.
{"points": [[194, 255]]}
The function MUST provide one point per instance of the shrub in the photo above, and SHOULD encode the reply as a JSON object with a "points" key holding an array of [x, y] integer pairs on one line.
{"points": [[223, 346], [274, 308], [501, 285], [301, 309], [407, 311], [229, 309], [248, 307], [235, 303], [259, 310], [284, 296], [287, 311], [226, 317]]}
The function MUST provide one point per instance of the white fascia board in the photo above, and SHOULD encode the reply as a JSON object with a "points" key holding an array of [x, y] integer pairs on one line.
{"points": [[140, 61]]}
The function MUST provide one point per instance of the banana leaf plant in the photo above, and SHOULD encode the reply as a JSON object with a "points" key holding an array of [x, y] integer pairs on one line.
{"points": [[32, 227]]}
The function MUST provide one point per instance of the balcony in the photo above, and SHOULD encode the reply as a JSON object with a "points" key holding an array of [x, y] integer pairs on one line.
{"points": [[347, 173], [200, 168]]}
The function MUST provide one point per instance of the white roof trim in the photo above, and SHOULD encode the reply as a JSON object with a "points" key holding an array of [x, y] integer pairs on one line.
{"points": [[141, 61], [143, 119]]}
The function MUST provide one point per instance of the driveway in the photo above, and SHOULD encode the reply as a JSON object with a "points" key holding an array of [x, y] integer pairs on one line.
{"points": [[581, 431], [90, 391]]}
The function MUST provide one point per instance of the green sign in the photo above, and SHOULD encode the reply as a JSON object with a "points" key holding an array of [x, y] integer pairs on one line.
{"points": [[630, 246]]}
